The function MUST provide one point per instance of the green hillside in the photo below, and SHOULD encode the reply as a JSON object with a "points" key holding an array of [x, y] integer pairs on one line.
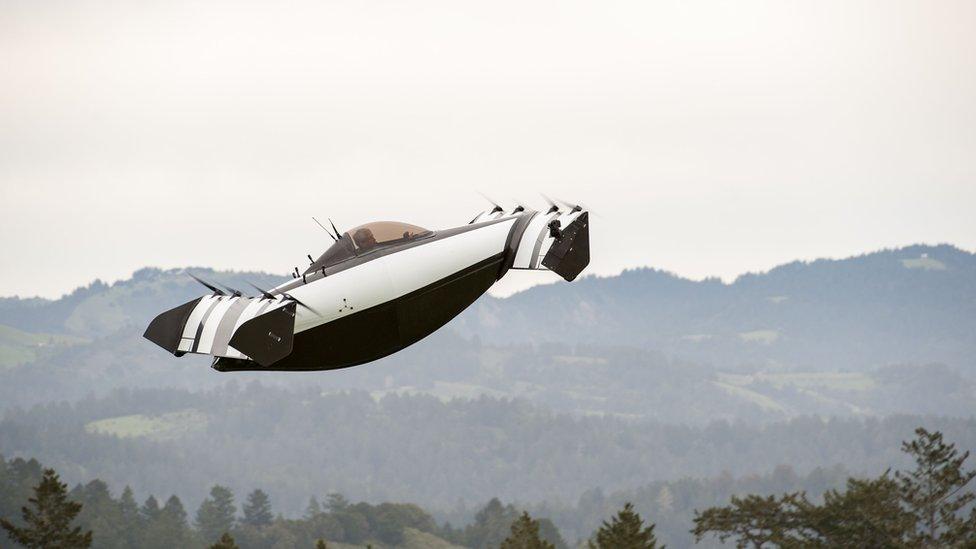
{"points": [[100, 309], [18, 347]]}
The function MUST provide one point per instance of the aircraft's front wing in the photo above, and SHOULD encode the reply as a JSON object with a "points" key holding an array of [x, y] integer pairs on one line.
{"points": [[227, 326]]}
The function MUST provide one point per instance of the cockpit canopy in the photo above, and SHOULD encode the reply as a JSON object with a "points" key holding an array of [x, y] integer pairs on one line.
{"points": [[366, 238], [382, 233]]}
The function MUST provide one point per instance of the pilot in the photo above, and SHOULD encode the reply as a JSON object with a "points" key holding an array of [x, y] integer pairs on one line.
{"points": [[364, 239]]}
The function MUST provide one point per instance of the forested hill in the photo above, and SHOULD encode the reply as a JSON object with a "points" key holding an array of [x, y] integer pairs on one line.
{"points": [[887, 332], [100, 309], [914, 304], [446, 456]]}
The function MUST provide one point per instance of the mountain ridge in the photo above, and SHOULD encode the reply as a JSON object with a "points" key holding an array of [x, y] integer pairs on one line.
{"points": [[919, 301], [886, 332], [916, 303], [143, 271]]}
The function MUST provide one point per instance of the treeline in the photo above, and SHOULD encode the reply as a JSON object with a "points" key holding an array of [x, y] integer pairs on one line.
{"points": [[672, 504], [122, 522], [418, 448], [30, 495], [930, 504], [258, 524]]}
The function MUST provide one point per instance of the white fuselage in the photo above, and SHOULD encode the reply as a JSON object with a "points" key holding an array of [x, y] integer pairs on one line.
{"points": [[392, 276]]}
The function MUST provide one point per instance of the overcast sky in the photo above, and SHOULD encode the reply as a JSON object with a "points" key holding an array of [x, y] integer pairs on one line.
{"points": [[712, 138]]}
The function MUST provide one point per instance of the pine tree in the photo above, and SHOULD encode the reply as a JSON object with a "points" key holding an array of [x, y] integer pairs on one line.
{"points": [[922, 508], [549, 532], [490, 525], [101, 513], [149, 515], [216, 514], [625, 531], [336, 502], [257, 509], [525, 535], [131, 519], [225, 542], [170, 529], [48, 520], [754, 520], [150, 509], [934, 492], [868, 513], [313, 509]]}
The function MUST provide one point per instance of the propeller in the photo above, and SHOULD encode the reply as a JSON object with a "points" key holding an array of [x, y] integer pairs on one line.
{"points": [[264, 293], [268, 295], [553, 207], [496, 208], [211, 287], [296, 300], [235, 293], [572, 207], [518, 207], [577, 207]]}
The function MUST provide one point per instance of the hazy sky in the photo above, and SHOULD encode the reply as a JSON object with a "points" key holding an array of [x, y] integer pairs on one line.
{"points": [[712, 138]]}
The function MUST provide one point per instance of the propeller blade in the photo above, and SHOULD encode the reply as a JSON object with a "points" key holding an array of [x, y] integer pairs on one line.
{"points": [[553, 207], [211, 287], [572, 207], [268, 295], [235, 293], [518, 206], [497, 207], [579, 206], [264, 293], [296, 300]]}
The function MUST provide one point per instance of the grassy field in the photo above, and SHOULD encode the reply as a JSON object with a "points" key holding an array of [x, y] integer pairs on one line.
{"points": [[412, 539], [804, 380], [759, 399], [162, 427], [925, 262], [764, 337]]}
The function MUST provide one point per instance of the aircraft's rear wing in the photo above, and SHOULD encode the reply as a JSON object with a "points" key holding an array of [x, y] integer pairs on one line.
{"points": [[556, 240], [239, 327]]}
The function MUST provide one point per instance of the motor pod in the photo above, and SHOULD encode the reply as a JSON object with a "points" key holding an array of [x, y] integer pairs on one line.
{"points": [[268, 338], [570, 250]]}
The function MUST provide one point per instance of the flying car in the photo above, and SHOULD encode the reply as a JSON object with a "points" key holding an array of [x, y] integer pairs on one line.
{"points": [[377, 289]]}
